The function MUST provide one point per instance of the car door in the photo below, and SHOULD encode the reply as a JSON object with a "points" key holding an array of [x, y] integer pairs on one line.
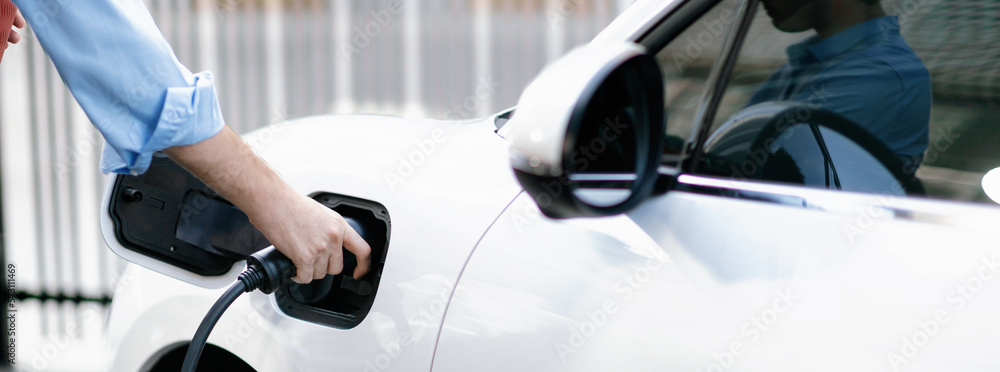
{"points": [[889, 270], [842, 267]]}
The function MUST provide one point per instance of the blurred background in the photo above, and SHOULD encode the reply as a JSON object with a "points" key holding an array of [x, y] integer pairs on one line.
{"points": [[273, 60]]}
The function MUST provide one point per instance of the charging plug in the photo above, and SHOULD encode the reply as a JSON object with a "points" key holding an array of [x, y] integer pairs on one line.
{"points": [[268, 270]]}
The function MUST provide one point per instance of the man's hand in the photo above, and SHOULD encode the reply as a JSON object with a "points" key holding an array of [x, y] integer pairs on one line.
{"points": [[310, 234], [10, 17], [15, 37]]}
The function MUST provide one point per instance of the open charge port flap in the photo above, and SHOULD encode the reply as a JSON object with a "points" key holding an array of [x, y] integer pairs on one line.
{"points": [[218, 227], [161, 214], [340, 301], [171, 216]]}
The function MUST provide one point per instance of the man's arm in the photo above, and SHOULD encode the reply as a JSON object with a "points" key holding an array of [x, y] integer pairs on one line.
{"points": [[127, 79], [301, 228]]}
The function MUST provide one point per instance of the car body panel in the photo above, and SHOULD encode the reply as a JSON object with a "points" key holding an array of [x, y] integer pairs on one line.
{"points": [[882, 281], [532, 281], [558, 295], [154, 314]]}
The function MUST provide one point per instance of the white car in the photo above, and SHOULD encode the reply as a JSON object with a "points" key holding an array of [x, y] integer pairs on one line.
{"points": [[632, 214]]}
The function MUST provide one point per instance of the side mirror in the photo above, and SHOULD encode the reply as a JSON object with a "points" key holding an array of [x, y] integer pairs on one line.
{"points": [[586, 137]]}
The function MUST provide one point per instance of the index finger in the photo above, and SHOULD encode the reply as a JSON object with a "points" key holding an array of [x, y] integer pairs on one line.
{"points": [[303, 270], [362, 251], [19, 20]]}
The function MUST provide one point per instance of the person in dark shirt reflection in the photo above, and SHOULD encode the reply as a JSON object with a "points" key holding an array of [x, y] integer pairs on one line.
{"points": [[857, 65]]}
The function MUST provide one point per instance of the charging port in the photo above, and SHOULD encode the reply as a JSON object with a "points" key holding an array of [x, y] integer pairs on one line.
{"points": [[340, 301]]}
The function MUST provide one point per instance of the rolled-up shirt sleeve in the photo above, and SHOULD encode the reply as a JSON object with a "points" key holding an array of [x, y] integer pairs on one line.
{"points": [[126, 77]]}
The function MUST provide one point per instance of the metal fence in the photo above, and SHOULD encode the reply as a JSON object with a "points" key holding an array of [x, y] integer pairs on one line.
{"points": [[272, 60]]}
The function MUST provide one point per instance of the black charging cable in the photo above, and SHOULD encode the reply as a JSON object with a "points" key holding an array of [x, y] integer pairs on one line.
{"points": [[267, 270]]}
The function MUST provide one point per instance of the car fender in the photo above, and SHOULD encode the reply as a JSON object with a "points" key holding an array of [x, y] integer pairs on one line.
{"points": [[153, 314]]}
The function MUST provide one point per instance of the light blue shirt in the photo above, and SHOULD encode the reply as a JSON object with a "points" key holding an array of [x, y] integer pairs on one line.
{"points": [[126, 77], [868, 74]]}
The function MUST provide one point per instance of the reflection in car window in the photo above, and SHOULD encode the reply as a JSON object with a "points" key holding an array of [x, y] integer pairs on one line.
{"points": [[856, 65], [686, 62], [922, 78]]}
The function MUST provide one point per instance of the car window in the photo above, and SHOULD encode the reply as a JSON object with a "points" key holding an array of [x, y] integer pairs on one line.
{"points": [[922, 80], [686, 62]]}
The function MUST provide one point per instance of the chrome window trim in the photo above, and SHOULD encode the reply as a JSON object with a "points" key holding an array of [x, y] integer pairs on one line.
{"points": [[970, 216]]}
